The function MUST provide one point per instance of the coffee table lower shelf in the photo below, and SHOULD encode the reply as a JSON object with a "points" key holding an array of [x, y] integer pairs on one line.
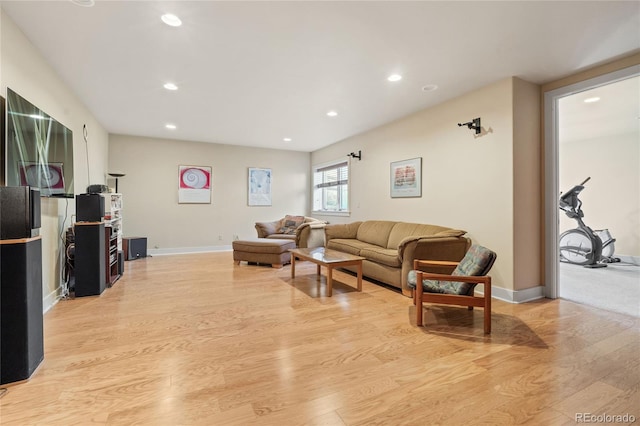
{"points": [[330, 259]]}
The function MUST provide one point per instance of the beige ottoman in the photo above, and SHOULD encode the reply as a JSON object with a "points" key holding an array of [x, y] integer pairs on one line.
{"points": [[263, 250]]}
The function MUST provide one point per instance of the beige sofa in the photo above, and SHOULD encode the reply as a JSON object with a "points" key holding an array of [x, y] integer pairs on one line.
{"points": [[390, 247], [308, 233]]}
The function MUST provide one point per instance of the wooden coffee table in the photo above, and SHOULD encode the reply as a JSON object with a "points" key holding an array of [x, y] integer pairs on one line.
{"points": [[329, 259]]}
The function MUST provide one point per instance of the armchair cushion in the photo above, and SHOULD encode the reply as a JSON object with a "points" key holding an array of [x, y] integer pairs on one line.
{"points": [[290, 224], [477, 262], [433, 286]]}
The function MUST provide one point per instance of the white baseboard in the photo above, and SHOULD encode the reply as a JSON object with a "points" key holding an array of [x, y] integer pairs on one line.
{"points": [[50, 300], [517, 296], [187, 250]]}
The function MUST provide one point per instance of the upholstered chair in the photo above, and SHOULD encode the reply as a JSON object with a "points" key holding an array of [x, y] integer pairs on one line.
{"points": [[307, 232], [457, 288]]}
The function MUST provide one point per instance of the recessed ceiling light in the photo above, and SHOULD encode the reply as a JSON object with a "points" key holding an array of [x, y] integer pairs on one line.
{"points": [[287, 139], [429, 87], [332, 113], [591, 100], [171, 20], [394, 77], [170, 126], [170, 86], [84, 3]]}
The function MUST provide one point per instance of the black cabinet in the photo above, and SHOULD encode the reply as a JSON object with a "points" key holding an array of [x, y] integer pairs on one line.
{"points": [[90, 260], [21, 320]]}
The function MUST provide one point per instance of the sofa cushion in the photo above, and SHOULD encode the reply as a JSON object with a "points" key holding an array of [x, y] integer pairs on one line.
{"points": [[376, 232], [347, 245], [346, 230], [290, 223], [401, 230], [381, 255], [263, 245], [281, 237]]}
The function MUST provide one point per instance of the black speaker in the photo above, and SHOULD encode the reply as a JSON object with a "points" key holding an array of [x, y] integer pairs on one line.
{"points": [[89, 207], [21, 320], [19, 212], [120, 262], [134, 247], [36, 211], [2, 145], [90, 259]]}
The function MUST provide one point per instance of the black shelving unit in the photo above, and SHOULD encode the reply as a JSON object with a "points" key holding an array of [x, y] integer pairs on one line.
{"points": [[111, 256]]}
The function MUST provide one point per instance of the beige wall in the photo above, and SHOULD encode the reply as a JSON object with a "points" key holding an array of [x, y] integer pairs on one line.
{"points": [[24, 70], [611, 199], [527, 188], [150, 191], [468, 182]]}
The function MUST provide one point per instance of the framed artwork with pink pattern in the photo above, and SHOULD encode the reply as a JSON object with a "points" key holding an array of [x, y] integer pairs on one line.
{"points": [[406, 178]]}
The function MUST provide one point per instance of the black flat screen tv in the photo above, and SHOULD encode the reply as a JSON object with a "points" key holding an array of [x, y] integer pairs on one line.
{"points": [[39, 149]]}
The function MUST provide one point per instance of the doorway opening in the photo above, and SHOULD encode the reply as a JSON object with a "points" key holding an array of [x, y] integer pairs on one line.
{"points": [[593, 131]]}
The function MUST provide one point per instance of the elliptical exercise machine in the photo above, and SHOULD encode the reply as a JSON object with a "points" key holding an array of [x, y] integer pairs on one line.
{"points": [[582, 245]]}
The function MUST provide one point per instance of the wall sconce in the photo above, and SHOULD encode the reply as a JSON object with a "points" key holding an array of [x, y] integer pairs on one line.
{"points": [[354, 155], [473, 125]]}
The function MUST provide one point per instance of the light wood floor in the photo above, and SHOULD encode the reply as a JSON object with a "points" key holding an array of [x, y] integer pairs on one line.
{"points": [[195, 339]]}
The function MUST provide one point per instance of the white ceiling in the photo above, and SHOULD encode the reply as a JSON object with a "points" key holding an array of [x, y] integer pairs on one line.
{"points": [[617, 112], [253, 73]]}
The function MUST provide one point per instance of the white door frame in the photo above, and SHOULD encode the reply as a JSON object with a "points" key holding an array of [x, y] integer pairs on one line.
{"points": [[551, 192]]}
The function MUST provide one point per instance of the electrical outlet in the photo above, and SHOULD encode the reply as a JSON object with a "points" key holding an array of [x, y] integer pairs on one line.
{"points": [[219, 237], [235, 237]]}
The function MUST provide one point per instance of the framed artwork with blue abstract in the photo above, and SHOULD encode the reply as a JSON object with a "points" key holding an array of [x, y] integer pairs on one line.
{"points": [[259, 187]]}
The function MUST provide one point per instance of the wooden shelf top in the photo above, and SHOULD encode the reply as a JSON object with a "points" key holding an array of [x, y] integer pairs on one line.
{"points": [[20, 240]]}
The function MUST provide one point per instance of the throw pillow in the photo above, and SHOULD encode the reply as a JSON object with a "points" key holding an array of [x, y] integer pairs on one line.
{"points": [[290, 224]]}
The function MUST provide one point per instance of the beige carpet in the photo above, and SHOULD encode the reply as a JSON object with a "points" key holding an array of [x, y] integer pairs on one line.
{"points": [[614, 288]]}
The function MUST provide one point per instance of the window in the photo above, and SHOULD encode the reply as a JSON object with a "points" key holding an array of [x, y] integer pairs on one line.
{"points": [[331, 187]]}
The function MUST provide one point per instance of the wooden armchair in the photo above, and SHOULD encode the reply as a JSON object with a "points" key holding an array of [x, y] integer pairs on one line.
{"points": [[457, 288]]}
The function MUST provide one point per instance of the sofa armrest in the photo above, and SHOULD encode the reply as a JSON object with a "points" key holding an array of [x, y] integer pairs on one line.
{"points": [[267, 228], [310, 234], [341, 230], [433, 248], [402, 247]]}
